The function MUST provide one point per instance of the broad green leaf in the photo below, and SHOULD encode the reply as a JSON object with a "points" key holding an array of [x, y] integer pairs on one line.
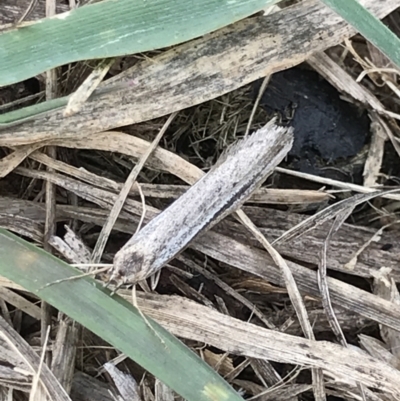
{"points": [[113, 319], [369, 26], [113, 28]]}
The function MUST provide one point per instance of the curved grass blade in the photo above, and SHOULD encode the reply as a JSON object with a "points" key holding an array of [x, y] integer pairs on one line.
{"points": [[113, 319], [113, 28], [369, 26]]}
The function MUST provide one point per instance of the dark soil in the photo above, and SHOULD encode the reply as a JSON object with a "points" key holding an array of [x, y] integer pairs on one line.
{"points": [[326, 127]]}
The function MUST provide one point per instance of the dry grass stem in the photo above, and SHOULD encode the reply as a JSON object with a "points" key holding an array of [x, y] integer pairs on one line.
{"points": [[335, 183], [121, 198], [79, 97], [295, 297]]}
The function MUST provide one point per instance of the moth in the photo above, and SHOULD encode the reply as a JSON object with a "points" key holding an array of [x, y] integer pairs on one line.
{"points": [[231, 181]]}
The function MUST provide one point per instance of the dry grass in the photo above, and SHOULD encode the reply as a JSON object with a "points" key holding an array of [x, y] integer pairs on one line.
{"points": [[221, 293]]}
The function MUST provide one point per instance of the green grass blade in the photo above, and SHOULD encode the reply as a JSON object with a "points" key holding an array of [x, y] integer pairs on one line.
{"points": [[369, 26], [113, 319], [113, 28], [31, 112]]}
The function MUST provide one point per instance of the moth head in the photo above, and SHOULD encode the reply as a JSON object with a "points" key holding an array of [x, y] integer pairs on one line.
{"points": [[129, 267]]}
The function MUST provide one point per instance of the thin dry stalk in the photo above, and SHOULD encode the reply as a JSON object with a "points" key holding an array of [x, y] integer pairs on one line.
{"points": [[335, 183], [295, 297], [120, 200], [373, 163], [79, 97], [340, 218], [262, 195], [329, 213], [28, 11], [256, 103], [36, 391]]}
